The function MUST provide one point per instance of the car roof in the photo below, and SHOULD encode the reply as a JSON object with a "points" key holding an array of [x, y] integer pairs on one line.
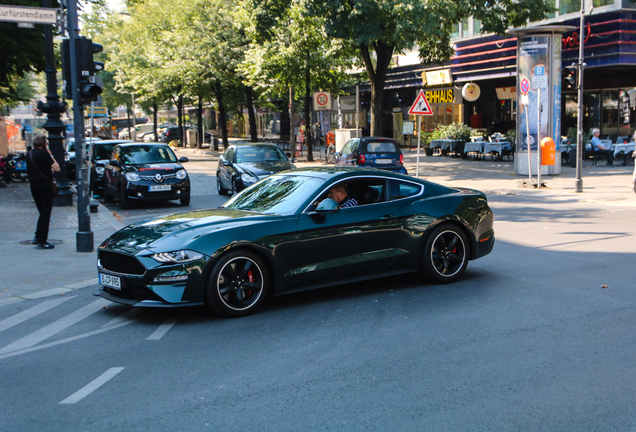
{"points": [[113, 142], [138, 144], [335, 172], [375, 139], [256, 144]]}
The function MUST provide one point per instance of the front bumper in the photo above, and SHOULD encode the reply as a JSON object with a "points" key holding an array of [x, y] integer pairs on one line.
{"points": [[147, 283], [141, 190]]}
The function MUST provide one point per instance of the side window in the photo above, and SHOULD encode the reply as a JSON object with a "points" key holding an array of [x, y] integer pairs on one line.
{"points": [[399, 189], [229, 154], [367, 191], [349, 146]]}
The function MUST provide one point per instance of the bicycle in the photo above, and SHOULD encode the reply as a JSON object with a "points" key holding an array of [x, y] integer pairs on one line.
{"points": [[330, 154]]}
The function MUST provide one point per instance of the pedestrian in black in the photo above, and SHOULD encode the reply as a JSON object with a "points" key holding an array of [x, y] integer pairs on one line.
{"points": [[40, 167]]}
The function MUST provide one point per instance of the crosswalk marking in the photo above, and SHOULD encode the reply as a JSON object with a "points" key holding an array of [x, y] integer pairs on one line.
{"points": [[163, 329], [132, 313], [70, 339], [54, 328], [31, 312], [92, 386]]}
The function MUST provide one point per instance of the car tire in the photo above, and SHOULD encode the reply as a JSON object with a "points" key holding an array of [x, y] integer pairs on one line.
{"points": [[237, 284], [445, 254], [124, 202], [105, 194], [185, 201], [220, 189]]}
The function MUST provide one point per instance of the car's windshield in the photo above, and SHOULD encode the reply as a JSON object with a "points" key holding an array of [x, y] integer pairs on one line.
{"points": [[102, 151], [146, 154], [281, 194], [259, 154]]}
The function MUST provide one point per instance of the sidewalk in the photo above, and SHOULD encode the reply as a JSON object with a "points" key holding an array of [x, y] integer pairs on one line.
{"points": [[28, 273]]}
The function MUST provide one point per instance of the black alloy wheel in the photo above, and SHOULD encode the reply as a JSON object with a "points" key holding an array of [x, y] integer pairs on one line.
{"points": [[220, 189], [445, 254], [237, 285]]}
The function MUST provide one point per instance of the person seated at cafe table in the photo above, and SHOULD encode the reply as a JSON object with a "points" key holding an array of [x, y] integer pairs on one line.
{"points": [[600, 149]]}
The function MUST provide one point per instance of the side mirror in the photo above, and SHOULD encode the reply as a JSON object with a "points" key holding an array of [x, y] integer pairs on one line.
{"points": [[226, 163], [328, 206], [183, 159], [114, 162]]}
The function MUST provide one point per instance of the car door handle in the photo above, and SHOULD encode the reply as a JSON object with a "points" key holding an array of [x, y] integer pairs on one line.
{"points": [[388, 217]]}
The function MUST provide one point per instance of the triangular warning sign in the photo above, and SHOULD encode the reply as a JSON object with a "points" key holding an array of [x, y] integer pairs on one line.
{"points": [[421, 106]]}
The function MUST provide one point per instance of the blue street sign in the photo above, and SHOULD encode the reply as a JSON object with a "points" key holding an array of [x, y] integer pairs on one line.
{"points": [[539, 70]]}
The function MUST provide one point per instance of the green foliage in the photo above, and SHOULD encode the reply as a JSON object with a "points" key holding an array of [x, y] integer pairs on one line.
{"points": [[455, 131], [511, 136]]}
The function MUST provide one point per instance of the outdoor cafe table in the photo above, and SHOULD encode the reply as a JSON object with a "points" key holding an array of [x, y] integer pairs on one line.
{"points": [[474, 147], [447, 145], [496, 147], [624, 149]]}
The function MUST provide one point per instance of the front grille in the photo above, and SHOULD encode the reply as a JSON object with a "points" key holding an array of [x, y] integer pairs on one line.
{"points": [[163, 177], [120, 263]]}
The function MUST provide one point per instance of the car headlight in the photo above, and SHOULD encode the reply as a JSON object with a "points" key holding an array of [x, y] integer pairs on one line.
{"points": [[180, 256], [248, 178], [132, 176], [181, 174], [99, 170]]}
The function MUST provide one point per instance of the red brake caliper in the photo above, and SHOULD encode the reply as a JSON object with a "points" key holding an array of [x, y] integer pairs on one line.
{"points": [[250, 277]]}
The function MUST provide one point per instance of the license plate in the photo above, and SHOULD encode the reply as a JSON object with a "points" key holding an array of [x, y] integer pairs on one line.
{"points": [[384, 161], [158, 188], [110, 281]]}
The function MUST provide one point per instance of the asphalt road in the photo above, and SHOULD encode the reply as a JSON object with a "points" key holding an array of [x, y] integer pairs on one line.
{"points": [[539, 335]]}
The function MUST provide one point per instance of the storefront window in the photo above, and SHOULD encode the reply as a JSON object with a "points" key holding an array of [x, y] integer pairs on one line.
{"points": [[609, 119], [569, 6], [455, 32], [464, 28], [629, 4], [598, 3], [477, 26]]}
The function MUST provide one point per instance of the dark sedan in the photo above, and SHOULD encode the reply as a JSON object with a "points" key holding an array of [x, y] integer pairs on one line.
{"points": [[102, 150], [372, 152], [283, 235], [145, 172], [242, 165]]}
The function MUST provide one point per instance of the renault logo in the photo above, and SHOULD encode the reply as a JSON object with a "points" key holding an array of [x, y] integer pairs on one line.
{"points": [[158, 178]]}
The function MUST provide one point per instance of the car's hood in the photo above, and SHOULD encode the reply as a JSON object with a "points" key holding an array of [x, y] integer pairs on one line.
{"points": [[264, 168], [179, 229], [155, 168]]}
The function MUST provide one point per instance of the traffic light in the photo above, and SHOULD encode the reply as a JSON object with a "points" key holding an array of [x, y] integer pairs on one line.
{"points": [[86, 68], [569, 77], [89, 89]]}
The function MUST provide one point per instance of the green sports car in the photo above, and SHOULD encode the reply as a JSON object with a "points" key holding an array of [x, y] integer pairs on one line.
{"points": [[284, 234]]}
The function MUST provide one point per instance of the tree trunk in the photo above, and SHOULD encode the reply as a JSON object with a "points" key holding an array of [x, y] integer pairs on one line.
{"points": [[250, 113], [180, 119], [155, 108], [200, 133], [128, 116], [218, 91], [292, 135], [377, 79], [308, 100]]}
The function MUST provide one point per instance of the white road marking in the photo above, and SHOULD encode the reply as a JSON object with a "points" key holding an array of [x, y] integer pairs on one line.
{"points": [[123, 317], [54, 328], [71, 339], [92, 386], [31, 312], [163, 329]]}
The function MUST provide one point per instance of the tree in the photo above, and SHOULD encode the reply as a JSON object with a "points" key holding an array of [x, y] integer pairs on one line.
{"points": [[382, 28], [21, 52], [291, 49]]}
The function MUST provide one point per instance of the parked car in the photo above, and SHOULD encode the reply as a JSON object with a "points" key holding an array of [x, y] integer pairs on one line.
{"points": [[69, 156], [102, 151], [149, 171], [174, 133], [283, 235], [242, 165], [372, 152]]}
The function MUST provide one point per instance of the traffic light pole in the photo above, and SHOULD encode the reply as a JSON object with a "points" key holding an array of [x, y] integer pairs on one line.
{"points": [[84, 235], [578, 183]]}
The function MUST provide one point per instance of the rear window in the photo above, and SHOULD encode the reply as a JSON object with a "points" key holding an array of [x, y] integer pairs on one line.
{"points": [[381, 147]]}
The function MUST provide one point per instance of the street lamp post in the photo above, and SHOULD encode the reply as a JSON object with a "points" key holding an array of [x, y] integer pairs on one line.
{"points": [[578, 183], [53, 109]]}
